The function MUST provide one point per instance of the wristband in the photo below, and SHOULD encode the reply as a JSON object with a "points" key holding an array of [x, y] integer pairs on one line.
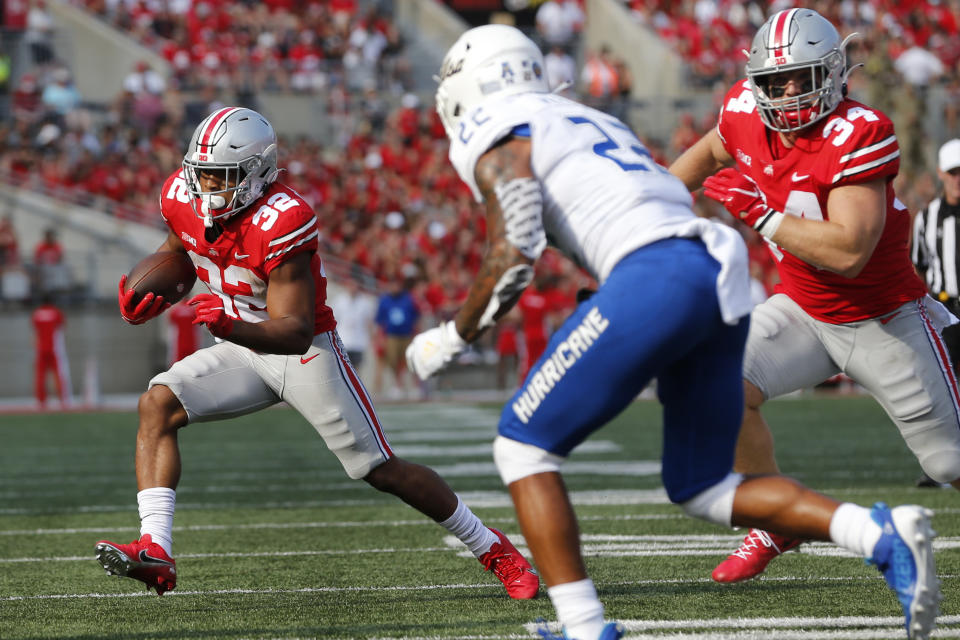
{"points": [[768, 223]]}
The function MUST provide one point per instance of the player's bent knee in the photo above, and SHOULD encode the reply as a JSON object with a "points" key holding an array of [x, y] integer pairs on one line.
{"points": [[516, 460], [159, 406], [716, 503], [385, 476], [752, 395], [942, 466]]}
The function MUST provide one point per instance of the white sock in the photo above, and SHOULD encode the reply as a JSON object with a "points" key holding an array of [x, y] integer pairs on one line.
{"points": [[853, 529], [468, 528], [156, 515], [578, 609]]}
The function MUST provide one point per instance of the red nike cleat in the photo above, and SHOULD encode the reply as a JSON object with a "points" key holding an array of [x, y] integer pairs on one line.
{"points": [[753, 556], [516, 574], [142, 560]]}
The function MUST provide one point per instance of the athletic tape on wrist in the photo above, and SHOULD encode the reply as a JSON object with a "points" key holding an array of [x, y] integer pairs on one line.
{"points": [[768, 224]]}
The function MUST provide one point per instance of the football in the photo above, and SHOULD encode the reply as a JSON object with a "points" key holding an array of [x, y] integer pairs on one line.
{"points": [[168, 273]]}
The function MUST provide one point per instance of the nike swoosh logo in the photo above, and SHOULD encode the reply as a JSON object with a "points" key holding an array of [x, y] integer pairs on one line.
{"points": [[147, 558], [889, 318], [306, 360], [796, 177], [241, 256]]}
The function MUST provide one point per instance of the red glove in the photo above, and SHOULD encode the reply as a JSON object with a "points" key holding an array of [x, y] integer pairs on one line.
{"points": [[742, 197], [210, 312], [150, 306]]}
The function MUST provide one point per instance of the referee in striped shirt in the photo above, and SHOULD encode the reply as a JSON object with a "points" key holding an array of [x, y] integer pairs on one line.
{"points": [[936, 232], [936, 253]]}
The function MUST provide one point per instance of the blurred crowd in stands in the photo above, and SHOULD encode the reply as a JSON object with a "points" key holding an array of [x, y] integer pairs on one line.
{"points": [[275, 45], [388, 200]]}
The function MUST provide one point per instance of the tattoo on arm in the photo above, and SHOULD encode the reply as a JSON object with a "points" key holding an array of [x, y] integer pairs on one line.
{"points": [[508, 160]]}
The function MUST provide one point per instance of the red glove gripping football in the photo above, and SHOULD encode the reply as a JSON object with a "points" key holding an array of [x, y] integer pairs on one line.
{"points": [[210, 312], [150, 306]]}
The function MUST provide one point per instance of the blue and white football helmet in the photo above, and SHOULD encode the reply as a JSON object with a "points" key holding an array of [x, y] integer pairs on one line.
{"points": [[492, 60]]}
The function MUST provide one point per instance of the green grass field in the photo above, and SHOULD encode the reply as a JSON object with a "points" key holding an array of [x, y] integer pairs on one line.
{"points": [[273, 541]]}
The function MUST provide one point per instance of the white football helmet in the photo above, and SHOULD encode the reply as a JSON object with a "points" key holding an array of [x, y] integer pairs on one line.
{"points": [[494, 59], [795, 40], [241, 143]]}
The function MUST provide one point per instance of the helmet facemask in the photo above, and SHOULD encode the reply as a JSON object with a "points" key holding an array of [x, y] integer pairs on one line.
{"points": [[817, 98], [237, 194]]}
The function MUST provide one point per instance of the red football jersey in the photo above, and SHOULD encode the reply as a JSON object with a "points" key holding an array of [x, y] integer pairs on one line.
{"points": [[535, 306], [48, 322], [854, 144], [237, 265]]}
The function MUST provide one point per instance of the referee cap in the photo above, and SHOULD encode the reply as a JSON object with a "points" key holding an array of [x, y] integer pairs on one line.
{"points": [[949, 157]]}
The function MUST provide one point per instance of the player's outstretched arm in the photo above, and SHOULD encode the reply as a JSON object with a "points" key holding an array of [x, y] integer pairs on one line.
{"points": [[515, 238], [704, 158]]}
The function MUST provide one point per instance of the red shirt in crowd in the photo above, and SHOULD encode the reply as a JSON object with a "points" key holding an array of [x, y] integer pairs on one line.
{"points": [[48, 253], [48, 322]]}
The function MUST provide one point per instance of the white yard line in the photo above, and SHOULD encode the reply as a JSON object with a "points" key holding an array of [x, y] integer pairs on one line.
{"points": [[472, 498], [327, 525], [361, 589], [593, 546]]}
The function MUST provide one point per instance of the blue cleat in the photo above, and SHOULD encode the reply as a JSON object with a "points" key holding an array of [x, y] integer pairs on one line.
{"points": [[612, 631], [904, 555]]}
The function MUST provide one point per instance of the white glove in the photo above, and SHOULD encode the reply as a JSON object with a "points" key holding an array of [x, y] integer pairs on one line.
{"points": [[432, 350]]}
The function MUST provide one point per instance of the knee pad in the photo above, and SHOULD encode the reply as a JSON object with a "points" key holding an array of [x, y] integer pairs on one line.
{"points": [[942, 466], [716, 503], [516, 460]]}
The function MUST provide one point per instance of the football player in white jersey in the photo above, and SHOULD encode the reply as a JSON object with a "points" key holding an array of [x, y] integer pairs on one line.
{"points": [[812, 171], [253, 242], [673, 303]]}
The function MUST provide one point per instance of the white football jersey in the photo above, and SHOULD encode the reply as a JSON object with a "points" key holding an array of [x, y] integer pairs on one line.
{"points": [[604, 196]]}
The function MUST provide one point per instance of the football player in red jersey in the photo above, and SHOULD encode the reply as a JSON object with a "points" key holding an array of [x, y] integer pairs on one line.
{"points": [[51, 355], [253, 241], [812, 171]]}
